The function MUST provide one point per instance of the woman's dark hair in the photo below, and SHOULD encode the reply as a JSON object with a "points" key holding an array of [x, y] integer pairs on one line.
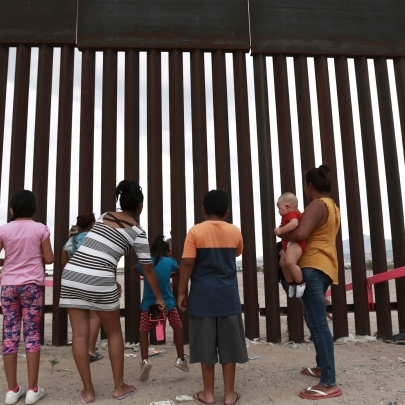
{"points": [[159, 248], [319, 177], [216, 203], [24, 204], [85, 220], [130, 195]]}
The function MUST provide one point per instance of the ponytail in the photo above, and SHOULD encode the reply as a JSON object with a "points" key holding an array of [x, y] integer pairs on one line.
{"points": [[159, 248], [130, 195]]}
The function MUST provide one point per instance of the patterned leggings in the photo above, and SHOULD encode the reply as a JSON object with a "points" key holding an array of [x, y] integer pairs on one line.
{"points": [[26, 302]]}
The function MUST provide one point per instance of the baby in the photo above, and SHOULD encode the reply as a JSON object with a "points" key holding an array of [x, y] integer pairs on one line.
{"points": [[292, 251]]}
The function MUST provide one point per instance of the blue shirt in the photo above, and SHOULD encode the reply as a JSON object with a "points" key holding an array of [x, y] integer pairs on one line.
{"points": [[163, 269], [74, 243]]}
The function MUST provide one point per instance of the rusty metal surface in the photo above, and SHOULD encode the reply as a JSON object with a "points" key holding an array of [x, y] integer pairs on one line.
{"points": [[294, 316], [131, 172], [38, 22], [3, 89], [185, 24], [86, 162], [399, 67], [250, 294], [393, 180], [357, 256], [42, 129], [342, 27], [41, 142], [177, 166], [270, 257], [221, 126], [199, 130], [304, 117], [62, 191], [155, 177], [19, 123], [375, 214], [154, 143], [340, 322], [109, 131]]}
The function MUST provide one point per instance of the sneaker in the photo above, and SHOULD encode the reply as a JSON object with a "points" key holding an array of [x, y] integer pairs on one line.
{"points": [[145, 369], [182, 364], [13, 397], [33, 397]]}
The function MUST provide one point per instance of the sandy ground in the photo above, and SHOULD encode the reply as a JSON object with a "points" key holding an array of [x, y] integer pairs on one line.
{"points": [[368, 372]]}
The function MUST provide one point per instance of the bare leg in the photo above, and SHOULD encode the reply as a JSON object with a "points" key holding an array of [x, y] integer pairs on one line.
{"points": [[286, 272], [95, 324], [208, 373], [179, 342], [10, 368], [228, 371], [79, 319], [144, 344], [112, 326], [292, 255], [33, 368]]}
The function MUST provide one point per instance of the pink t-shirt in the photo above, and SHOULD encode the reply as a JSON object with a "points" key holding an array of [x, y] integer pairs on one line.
{"points": [[23, 260]]}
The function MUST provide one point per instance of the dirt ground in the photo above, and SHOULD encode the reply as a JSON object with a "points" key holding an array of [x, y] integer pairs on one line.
{"points": [[368, 372]]}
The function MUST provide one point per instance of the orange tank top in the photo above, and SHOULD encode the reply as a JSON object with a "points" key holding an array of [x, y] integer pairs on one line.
{"points": [[321, 244]]}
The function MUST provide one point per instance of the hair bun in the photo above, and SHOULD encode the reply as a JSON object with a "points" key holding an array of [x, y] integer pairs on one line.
{"points": [[324, 169]]}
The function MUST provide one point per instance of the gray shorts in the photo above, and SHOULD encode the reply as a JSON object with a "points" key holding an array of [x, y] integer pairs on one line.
{"points": [[223, 336]]}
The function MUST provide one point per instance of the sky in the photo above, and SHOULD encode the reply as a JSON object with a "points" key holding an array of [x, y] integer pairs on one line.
{"points": [[188, 136]]}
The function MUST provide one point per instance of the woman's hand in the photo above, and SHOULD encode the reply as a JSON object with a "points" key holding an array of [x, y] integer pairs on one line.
{"points": [[162, 307], [119, 288], [182, 302]]}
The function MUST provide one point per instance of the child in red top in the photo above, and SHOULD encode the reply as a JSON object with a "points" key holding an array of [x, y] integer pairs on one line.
{"points": [[292, 251]]}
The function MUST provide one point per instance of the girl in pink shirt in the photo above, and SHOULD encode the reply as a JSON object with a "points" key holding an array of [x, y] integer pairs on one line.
{"points": [[27, 248]]}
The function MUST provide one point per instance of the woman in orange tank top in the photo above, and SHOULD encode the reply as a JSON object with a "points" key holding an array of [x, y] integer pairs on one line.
{"points": [[319, 225]]}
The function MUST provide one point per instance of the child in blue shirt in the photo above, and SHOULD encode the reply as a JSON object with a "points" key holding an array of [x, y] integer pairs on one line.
{"points": [[165, 268]]}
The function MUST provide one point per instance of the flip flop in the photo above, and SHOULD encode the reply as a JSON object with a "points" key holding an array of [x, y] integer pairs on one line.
{"points": [[196, 398], [127, 394], [98, 356], [237, 399], [83, 400], [322, 395], [308, 372]]}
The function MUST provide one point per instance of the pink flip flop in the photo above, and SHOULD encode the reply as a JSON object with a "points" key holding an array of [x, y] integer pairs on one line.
{"points": [[127, 394], [322, 395]]}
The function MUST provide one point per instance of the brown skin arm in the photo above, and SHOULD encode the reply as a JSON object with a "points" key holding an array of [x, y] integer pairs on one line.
{"points": [[47, 254], [65, 258], [315, 215], [186, 268], [150, 275]]}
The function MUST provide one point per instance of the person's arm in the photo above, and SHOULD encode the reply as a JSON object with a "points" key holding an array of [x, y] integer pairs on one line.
{"points": [[292, 224], [150, 275], [136, 269], [314, 216], [65, 258], [47, 254], [186, 268]]}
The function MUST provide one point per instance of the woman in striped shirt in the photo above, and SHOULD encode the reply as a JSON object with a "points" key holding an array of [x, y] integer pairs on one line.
{"points": [[89, 283]]}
